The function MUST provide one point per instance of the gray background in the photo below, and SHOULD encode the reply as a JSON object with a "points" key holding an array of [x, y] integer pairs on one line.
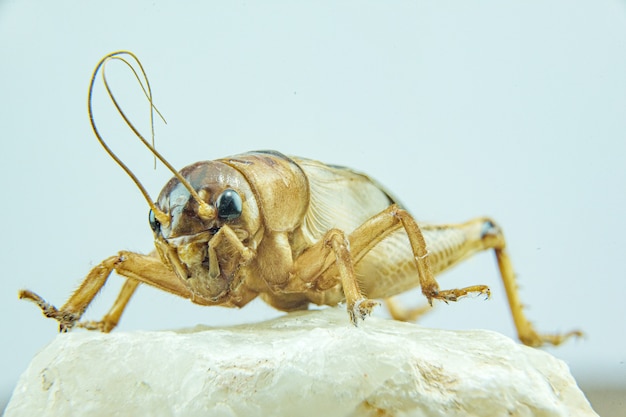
{"points": [[510, 109]]}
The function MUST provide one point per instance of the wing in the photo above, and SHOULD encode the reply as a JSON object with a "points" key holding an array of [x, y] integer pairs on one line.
{"points": [[339, 198]]}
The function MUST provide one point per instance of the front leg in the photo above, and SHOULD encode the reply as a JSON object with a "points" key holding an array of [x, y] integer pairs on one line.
{"points": [[138, 268]]}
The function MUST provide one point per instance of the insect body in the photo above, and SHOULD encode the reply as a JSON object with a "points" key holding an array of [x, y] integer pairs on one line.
{"points": [[292, 231]]}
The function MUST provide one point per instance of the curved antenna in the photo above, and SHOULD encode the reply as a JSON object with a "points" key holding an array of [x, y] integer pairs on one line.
{"points": [[204, 209], [146, 93]]}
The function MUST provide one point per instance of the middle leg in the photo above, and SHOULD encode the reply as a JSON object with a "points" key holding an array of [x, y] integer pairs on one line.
{"points": [[316, 269]]}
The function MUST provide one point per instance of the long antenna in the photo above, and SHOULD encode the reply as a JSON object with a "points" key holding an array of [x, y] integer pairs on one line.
{"points": [[205, 210]]}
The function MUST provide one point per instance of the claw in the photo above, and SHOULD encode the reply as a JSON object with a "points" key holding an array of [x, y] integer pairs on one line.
{"points": [[360, 309], [100, 326], [66, 319], [456, 294], [47, 309], [535, 339]]}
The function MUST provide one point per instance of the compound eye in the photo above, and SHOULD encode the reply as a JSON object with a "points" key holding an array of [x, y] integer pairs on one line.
{"points": [[155, 225], [229, 205]]}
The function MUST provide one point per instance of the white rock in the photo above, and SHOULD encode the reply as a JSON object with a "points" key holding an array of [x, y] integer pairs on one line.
{"points": [[302, 364]]}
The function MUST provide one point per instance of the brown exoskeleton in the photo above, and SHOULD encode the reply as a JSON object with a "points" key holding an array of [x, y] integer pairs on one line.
{"points": [[290, 230]]}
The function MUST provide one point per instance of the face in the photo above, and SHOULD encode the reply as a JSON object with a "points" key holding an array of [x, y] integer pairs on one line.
{"points": [[184, 242]]}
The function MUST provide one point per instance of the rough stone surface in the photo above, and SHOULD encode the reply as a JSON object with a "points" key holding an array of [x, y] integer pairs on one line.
{"points": [[302, 364]]}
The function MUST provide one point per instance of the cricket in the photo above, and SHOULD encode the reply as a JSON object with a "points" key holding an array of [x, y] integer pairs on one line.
{"points": [[290, 230]]}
